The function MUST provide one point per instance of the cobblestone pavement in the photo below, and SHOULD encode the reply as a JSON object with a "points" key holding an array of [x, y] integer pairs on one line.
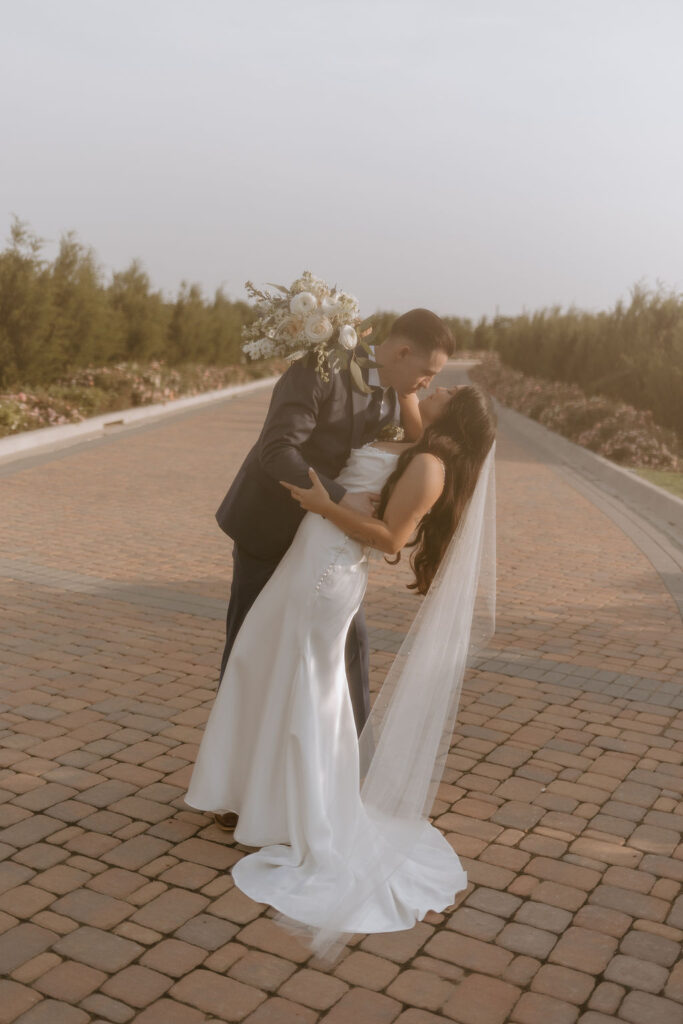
{"points": [[563, 793]]}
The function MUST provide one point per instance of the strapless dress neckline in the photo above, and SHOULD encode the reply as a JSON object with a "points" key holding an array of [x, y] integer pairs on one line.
{"points": [[375, 448]]}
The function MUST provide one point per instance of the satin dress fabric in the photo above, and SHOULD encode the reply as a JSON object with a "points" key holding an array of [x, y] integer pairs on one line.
{"points": [[280, 745]]}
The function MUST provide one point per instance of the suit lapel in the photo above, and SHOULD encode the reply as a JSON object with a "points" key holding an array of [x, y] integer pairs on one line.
{"points": [[358, 405]]}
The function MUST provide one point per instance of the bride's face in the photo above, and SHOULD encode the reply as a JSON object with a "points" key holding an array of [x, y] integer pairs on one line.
{"points": [[434, 404]]}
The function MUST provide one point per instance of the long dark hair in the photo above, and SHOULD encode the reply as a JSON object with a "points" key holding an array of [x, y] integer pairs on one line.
{"points": [[461, 436]]}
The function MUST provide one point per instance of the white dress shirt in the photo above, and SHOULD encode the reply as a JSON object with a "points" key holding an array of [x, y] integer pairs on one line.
{"points": [[374, 382]]}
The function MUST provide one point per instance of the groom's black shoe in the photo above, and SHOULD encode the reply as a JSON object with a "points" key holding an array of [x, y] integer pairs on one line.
{"points": [[227, 821]]}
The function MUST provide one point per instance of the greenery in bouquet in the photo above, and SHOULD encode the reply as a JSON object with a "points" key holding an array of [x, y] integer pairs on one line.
{"points": [[309, 316]]}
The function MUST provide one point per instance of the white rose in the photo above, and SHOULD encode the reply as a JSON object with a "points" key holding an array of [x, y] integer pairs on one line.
{"points": [[318, 328], [347, 337], [303, 303], [339, 302]]}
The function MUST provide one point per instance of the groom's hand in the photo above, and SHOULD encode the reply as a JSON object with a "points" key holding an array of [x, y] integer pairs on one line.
{"points": [[364, 502]]}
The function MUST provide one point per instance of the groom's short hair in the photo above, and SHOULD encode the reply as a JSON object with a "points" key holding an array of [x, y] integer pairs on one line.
{"points": [[425, 329]]}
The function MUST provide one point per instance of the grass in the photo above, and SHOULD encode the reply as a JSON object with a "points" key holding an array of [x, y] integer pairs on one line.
{"points": [[668, 479]]}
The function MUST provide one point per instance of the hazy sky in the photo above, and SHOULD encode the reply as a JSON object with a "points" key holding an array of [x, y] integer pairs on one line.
{"points": [[457, 154]]}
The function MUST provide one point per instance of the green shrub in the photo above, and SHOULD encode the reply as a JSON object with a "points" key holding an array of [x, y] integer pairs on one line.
{"points": [[59, 317], [633, 353], [615, 430]]}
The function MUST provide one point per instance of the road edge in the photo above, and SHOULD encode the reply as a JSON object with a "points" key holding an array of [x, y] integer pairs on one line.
{"points": [[46, 439]]}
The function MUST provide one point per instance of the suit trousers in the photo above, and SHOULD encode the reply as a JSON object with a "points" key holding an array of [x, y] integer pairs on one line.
{"points": [[249, 577]]}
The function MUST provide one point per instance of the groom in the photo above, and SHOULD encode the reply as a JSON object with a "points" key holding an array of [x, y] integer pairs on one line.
{"points": [[315, 423]]}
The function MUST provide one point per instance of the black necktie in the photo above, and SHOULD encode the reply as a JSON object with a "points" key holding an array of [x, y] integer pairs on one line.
{"points": [[390, 414], [373, 415]]}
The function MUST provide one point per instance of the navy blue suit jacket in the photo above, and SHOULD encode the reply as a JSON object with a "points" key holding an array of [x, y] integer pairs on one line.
{"points": [[309, 422]]}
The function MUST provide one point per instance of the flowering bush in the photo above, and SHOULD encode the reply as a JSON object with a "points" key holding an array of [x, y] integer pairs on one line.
{"points": [[96, 390], [613, 429]]}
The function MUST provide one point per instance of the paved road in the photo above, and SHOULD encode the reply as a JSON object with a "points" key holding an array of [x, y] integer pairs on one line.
{"points": [[563, 793]]}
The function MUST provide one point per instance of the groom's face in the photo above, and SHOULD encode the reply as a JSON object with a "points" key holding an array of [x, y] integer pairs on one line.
{"points": [[410, 369]]}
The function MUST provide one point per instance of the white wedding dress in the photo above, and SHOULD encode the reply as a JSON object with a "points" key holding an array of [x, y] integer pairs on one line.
{"points": [[280, 746]]}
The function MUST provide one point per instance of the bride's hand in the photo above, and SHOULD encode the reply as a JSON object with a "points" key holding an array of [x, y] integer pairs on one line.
{"points": [[411, 418], [313, 499]]}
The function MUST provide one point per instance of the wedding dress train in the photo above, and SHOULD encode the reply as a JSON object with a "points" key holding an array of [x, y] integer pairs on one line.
{"points": [[280, 748]]}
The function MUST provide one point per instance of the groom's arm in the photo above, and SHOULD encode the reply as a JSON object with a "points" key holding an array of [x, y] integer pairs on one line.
{"points": [[290, 421]]}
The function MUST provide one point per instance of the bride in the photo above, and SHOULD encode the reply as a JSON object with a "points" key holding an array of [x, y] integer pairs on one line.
{"points": [[280, 747]]}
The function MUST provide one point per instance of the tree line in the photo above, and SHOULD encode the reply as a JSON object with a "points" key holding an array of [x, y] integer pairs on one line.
{"points": [[632, 353], [61, 315]]}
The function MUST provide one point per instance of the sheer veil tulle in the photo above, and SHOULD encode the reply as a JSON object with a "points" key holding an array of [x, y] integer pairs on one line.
{"points": [[406, 740]]}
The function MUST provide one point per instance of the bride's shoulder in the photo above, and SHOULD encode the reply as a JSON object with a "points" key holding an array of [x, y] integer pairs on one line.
{"points": [[428, 463], [425, 471]]}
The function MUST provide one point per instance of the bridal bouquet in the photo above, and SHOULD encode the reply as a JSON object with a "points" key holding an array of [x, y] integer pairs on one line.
{"points": [[309, 316]]}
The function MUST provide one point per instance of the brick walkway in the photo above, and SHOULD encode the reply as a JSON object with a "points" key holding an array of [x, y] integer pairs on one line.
{"points": [[563, 795]]}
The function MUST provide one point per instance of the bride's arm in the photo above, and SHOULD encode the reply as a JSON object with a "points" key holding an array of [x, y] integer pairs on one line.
{"points": [[411, 420], [415, 492]]}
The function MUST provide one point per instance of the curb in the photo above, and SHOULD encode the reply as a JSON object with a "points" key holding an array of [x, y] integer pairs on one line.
{"points": [[665, 510], [643, 496], [32, 442], [45, 439], [650, 516]]}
